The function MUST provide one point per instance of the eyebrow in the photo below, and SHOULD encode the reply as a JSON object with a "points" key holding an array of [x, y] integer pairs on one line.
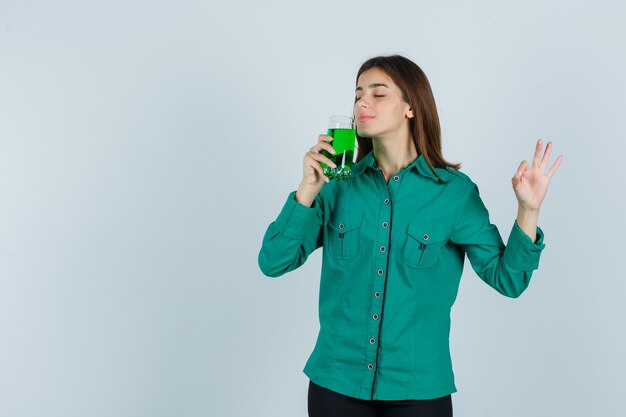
{"points": [[372, 86]]}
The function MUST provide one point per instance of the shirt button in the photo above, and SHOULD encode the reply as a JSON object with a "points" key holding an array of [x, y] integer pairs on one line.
{"points": [[382, 248], [385, 224], [372, 341], [396, 178], [380, 272], [375, 316], [377, 294], [386, 201], [370, 366], [341, 226], [425, 236]]}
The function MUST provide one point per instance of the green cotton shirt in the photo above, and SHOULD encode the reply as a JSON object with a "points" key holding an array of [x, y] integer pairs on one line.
{"points": [[393, 256]]}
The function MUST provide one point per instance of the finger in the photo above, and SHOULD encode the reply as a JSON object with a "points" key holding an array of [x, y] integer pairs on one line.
{"points": [[521, 168], [320, 171], [546, 157], [312, 166], [537, 156], [515, 180], [321, 158], [322, 138], [324, 145], [554, 166], [318, 157]]}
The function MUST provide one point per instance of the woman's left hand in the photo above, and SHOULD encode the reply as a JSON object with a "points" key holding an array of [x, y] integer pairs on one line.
{"points": [[530, 184]]}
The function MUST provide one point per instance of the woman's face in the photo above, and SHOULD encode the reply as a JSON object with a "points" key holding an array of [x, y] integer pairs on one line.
{"points": [[379, 110]]}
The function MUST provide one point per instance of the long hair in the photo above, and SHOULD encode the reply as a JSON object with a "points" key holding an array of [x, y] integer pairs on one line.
{"points": [[416, 92]]}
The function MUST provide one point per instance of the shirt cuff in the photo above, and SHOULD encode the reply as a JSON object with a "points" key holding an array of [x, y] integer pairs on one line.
{"points": [[520, 252], [296, 220]]}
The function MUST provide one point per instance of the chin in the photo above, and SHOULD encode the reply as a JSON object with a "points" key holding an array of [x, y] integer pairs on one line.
{"points": [[364, 133]]}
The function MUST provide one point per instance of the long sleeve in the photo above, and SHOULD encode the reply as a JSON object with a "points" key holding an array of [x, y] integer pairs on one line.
{"points": [[292, 237], [507, 269]]}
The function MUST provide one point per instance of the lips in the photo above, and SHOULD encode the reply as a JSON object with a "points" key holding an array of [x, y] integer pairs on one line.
{"points": [[364, 118]]}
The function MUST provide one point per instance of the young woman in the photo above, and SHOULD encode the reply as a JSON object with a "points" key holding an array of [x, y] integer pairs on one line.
{"points": [[394, 238]]}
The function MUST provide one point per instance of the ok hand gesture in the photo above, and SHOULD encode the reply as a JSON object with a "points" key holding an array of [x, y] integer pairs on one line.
{"points": [[530, 184]]}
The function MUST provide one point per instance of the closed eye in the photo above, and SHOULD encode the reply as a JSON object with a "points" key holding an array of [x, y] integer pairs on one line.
{"points": [[375, 95]]}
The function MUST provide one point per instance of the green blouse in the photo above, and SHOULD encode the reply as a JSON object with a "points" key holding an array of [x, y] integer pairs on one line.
{"points": [[393, 256]]}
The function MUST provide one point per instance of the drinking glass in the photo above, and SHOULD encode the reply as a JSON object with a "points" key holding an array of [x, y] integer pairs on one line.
{"points": [[341, 129]]}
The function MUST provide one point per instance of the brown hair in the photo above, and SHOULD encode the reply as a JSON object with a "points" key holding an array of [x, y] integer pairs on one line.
{"points": [[416, 92]]}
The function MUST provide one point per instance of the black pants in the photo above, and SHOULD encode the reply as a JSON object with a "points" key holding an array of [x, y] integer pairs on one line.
{"points": [[323, 402]]}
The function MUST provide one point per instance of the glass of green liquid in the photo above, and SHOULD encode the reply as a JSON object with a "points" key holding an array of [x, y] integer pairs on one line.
{"points": [[341, 129]]}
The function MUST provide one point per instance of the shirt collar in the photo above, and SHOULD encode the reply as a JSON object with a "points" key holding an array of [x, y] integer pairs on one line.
{"points": [[419, 164]]}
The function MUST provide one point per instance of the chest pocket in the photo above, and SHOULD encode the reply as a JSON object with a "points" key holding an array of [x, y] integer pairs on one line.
{"points": [[424, 243], [344, 237]]}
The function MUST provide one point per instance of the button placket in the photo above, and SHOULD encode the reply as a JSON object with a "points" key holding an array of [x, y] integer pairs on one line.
{"points": [[383, 237]]}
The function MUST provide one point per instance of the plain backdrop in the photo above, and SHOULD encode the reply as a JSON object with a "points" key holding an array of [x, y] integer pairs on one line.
{"points": [[145, 146]]}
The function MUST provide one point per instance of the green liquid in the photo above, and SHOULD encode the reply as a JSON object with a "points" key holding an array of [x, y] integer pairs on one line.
{"points": [[343, 143]]}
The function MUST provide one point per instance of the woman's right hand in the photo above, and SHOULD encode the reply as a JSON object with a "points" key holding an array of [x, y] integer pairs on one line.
{"points": [[312, 172]]}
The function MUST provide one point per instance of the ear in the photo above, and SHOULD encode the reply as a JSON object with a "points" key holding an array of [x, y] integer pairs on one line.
{"points": [[409, 114]]}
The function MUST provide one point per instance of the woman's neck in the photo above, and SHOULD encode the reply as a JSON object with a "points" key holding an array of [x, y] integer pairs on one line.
{"points": [[392, 156]]}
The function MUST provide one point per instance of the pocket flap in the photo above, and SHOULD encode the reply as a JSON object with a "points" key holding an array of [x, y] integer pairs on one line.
{"points": [[427, 233], [346, 221]]}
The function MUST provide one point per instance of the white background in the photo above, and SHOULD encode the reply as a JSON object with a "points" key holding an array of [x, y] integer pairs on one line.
{"points": [[145, 146]]}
